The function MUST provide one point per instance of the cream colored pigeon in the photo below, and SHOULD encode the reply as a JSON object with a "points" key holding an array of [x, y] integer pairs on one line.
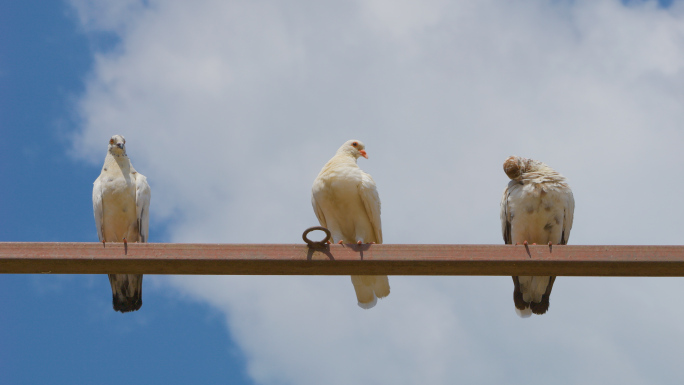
{"points": [[346, 202], [121, 201], [536, 208]]}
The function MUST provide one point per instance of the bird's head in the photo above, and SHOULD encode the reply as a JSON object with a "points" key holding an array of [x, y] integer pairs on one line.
{"points": [[515, 166], [117, 145], [354, 148]]}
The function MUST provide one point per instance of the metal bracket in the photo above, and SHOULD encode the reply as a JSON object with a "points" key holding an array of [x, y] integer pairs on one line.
{"points": [[320, 244]]}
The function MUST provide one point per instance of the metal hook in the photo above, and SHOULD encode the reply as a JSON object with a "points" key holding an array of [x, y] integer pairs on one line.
{"points": [[319, 244]]}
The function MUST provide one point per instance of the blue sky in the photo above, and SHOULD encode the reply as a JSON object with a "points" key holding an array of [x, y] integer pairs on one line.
{"points": [[61, 329], [43, 63], [230, 109]]}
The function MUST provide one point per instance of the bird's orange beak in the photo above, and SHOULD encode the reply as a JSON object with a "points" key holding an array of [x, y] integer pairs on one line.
{"points": [[363, 153]]}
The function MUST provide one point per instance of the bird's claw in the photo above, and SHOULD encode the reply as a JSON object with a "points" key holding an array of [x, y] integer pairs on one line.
{"points": [[527, 248], [125, 246]]}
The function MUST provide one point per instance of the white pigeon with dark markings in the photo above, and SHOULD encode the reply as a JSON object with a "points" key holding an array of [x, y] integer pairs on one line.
{"points": [[346, 201], [121, 201], [536, 208]]}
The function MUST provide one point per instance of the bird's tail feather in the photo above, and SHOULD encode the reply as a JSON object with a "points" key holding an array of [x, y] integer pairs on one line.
{"points": [[368, 305], [381, 286], [369, 288], [525, 313], [126, 291]]}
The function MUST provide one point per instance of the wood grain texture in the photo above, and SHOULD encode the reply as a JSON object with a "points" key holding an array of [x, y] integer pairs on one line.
{"points": [[390, 259]]}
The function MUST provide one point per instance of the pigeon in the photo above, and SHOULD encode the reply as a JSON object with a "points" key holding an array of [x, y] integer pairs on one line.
{"points": [[346, 201], [121, 201], [536, 208]]}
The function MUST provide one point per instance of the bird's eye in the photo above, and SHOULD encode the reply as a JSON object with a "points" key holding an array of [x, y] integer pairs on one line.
{"points": [[355, 144]]}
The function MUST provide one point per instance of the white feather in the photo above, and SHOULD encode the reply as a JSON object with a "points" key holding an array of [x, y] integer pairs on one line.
{"points": [[97, 208], [345, 200], [537, 207], [121, 200]]}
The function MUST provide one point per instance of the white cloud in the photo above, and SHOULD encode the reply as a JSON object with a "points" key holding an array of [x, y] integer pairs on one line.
{"points": [[231, 108], [443, 329]]}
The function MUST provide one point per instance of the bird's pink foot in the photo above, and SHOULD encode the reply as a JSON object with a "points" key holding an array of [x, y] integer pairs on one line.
{"points": [[525, 243], [359, 242], [340, 242]]}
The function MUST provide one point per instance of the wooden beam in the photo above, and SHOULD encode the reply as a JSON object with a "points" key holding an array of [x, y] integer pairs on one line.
{"points": [[291, 259]]}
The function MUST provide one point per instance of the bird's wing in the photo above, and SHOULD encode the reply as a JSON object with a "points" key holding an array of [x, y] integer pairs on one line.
{"points": [[505, 218], [142, 205], [318, 211], [97, 208], [567, 221], [371, 201], [316, 189]]}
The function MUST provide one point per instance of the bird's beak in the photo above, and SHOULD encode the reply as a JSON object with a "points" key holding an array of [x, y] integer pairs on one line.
{"points": [[363, 153], [120, 145]]}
